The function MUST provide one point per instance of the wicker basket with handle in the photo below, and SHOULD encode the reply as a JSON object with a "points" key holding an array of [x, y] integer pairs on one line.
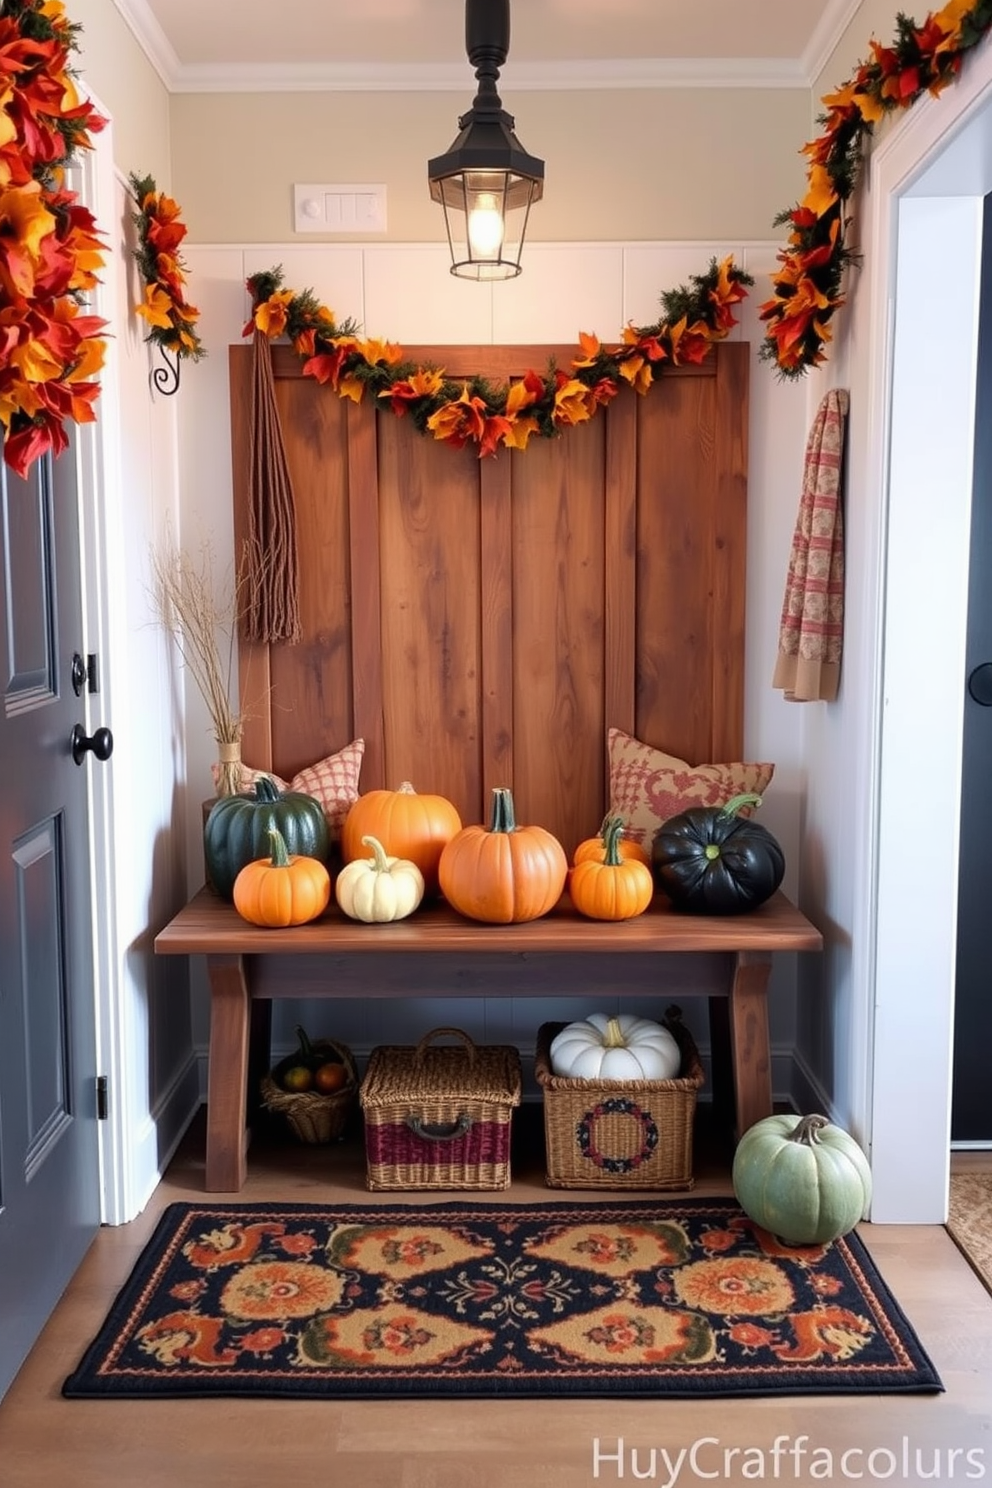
{"points": [[620, 1133], [438, 1116], [314, 1117]]}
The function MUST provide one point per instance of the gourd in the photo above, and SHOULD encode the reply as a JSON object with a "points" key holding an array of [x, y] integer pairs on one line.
{"points": [[710, 860], [622, 1048], [236, 831], [503, 874], [407, 824], [380, 888], [595, 847], [801, 1178], [282, 889], [611, 888]]}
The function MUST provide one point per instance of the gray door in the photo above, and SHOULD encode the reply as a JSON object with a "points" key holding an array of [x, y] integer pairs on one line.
{"points": [[49, 1179], [971, 1099]]}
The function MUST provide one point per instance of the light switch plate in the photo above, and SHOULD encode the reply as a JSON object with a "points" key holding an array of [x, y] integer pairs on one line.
{"points": [[339, 209]]}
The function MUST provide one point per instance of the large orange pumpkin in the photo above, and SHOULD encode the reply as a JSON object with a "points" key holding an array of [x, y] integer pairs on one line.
{"points": [[407, 825], [503, 874]]}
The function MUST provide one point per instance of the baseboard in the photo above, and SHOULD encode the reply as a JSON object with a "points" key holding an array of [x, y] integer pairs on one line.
{"points": [[162, 1130]]}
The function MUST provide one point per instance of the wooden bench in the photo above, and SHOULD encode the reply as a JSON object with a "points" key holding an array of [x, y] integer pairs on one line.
{"points": [[660, 955]]}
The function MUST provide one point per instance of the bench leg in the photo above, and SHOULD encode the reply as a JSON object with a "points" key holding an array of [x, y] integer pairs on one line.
{"points": [[227, 1074], [749, 1038]]}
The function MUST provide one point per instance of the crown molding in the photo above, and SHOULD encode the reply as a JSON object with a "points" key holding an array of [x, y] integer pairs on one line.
{"points": [[152, 40], [836, 17], [521, 77]]}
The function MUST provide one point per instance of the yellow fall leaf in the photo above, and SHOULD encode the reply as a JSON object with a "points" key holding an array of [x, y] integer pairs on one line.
{"points": [[380, 351], [820, 195], [157, 309], [572, 403], [352, 387], [637, 371], [35, 362], [518, 397], [91, 354], [519, 432], [871, 108]]}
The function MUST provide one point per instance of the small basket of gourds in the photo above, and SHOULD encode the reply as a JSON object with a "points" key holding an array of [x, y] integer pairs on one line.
{"points": [[315, 1088]]}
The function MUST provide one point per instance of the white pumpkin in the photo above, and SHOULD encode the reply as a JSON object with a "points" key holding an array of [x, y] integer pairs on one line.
{"points": [[621, 1048], [380, 888]]}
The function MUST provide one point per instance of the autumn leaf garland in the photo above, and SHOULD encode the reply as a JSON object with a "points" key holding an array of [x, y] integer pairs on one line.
{"points": [[50, 248], [170, 317], [807, 288], [474, 410]]}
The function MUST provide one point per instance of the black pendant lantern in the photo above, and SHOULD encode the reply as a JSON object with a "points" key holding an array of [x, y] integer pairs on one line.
{"points": [[486, 182]]}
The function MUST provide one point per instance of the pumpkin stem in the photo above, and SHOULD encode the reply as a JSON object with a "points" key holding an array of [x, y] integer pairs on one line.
{"points": [[306, 1047], [280, 854], [405, 789], [737, 803], [266, 789], [503, 817], [611, 841], [614, 1038], [807, 1130], [379, 861]]}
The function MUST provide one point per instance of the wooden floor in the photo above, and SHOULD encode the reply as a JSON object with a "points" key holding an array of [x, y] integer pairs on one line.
{"points": [[45, 1440]]}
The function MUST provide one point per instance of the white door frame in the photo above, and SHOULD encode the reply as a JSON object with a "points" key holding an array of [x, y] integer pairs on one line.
{"points": [[99, 487], [926, 185]]}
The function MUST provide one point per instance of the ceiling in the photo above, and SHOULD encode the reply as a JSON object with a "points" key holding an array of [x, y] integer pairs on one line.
{"points": [[372, 44]]}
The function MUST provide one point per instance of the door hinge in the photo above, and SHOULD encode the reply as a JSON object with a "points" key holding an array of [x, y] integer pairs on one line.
{"points": [[101, 1098]]}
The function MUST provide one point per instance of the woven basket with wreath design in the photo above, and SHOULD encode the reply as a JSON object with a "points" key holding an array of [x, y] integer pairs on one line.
{"points": [[314, 1117]]}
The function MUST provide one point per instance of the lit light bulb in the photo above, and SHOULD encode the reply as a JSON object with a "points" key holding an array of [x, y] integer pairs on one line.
{"points": [[485, 226]]}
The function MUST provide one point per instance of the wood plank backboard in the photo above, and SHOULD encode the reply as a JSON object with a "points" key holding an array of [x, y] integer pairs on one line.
{"points": [[482, 622]]}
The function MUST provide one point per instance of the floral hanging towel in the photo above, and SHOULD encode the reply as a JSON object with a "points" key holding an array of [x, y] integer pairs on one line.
{"points": [[811, 633]]}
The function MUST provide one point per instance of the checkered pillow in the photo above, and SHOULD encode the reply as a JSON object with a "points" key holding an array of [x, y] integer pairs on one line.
{"points": [[333, 781], [647, 786]]}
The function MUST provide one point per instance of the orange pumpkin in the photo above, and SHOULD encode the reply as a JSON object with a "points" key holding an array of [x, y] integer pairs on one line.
{"points": [[503, 874], [407, 825], [594, 848], [614, 888], [281, 890]]}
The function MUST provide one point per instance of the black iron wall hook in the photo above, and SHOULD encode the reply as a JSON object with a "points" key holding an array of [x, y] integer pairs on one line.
{"points": [[166, 379]]}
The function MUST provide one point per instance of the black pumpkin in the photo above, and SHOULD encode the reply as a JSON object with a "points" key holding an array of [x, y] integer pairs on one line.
{"points": [[709, 860], [236, 831]]}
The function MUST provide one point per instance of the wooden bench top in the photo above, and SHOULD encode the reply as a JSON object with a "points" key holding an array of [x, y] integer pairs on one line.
{"points": [[209, 925]]}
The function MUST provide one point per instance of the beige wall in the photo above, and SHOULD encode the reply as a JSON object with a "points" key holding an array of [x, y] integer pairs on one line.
{"points": [[621, 166], [125, 83]]}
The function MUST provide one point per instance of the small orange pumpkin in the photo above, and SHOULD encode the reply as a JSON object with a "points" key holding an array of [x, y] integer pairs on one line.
{"points": [[407, 825], [614, 888], [594, 848], [281, 890], [503, 874]]}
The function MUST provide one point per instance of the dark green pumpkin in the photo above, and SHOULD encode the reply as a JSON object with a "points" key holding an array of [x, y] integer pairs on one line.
{"points": [[236, 831], [709, 860]]}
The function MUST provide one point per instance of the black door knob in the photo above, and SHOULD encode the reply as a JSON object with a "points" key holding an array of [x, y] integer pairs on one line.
{"points": [[980, 684], [101, 742]]}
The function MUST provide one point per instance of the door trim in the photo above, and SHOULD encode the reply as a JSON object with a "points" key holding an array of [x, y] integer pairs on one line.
{"points": [[99, 487], [914, 1031]]}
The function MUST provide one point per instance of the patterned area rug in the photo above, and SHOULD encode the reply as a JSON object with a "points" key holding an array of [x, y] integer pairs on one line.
{"points": [[665, 1298], [969, 1220]]}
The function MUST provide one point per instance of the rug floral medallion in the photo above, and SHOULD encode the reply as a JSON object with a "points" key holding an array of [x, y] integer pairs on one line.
{"points": [[665, 1298]]}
